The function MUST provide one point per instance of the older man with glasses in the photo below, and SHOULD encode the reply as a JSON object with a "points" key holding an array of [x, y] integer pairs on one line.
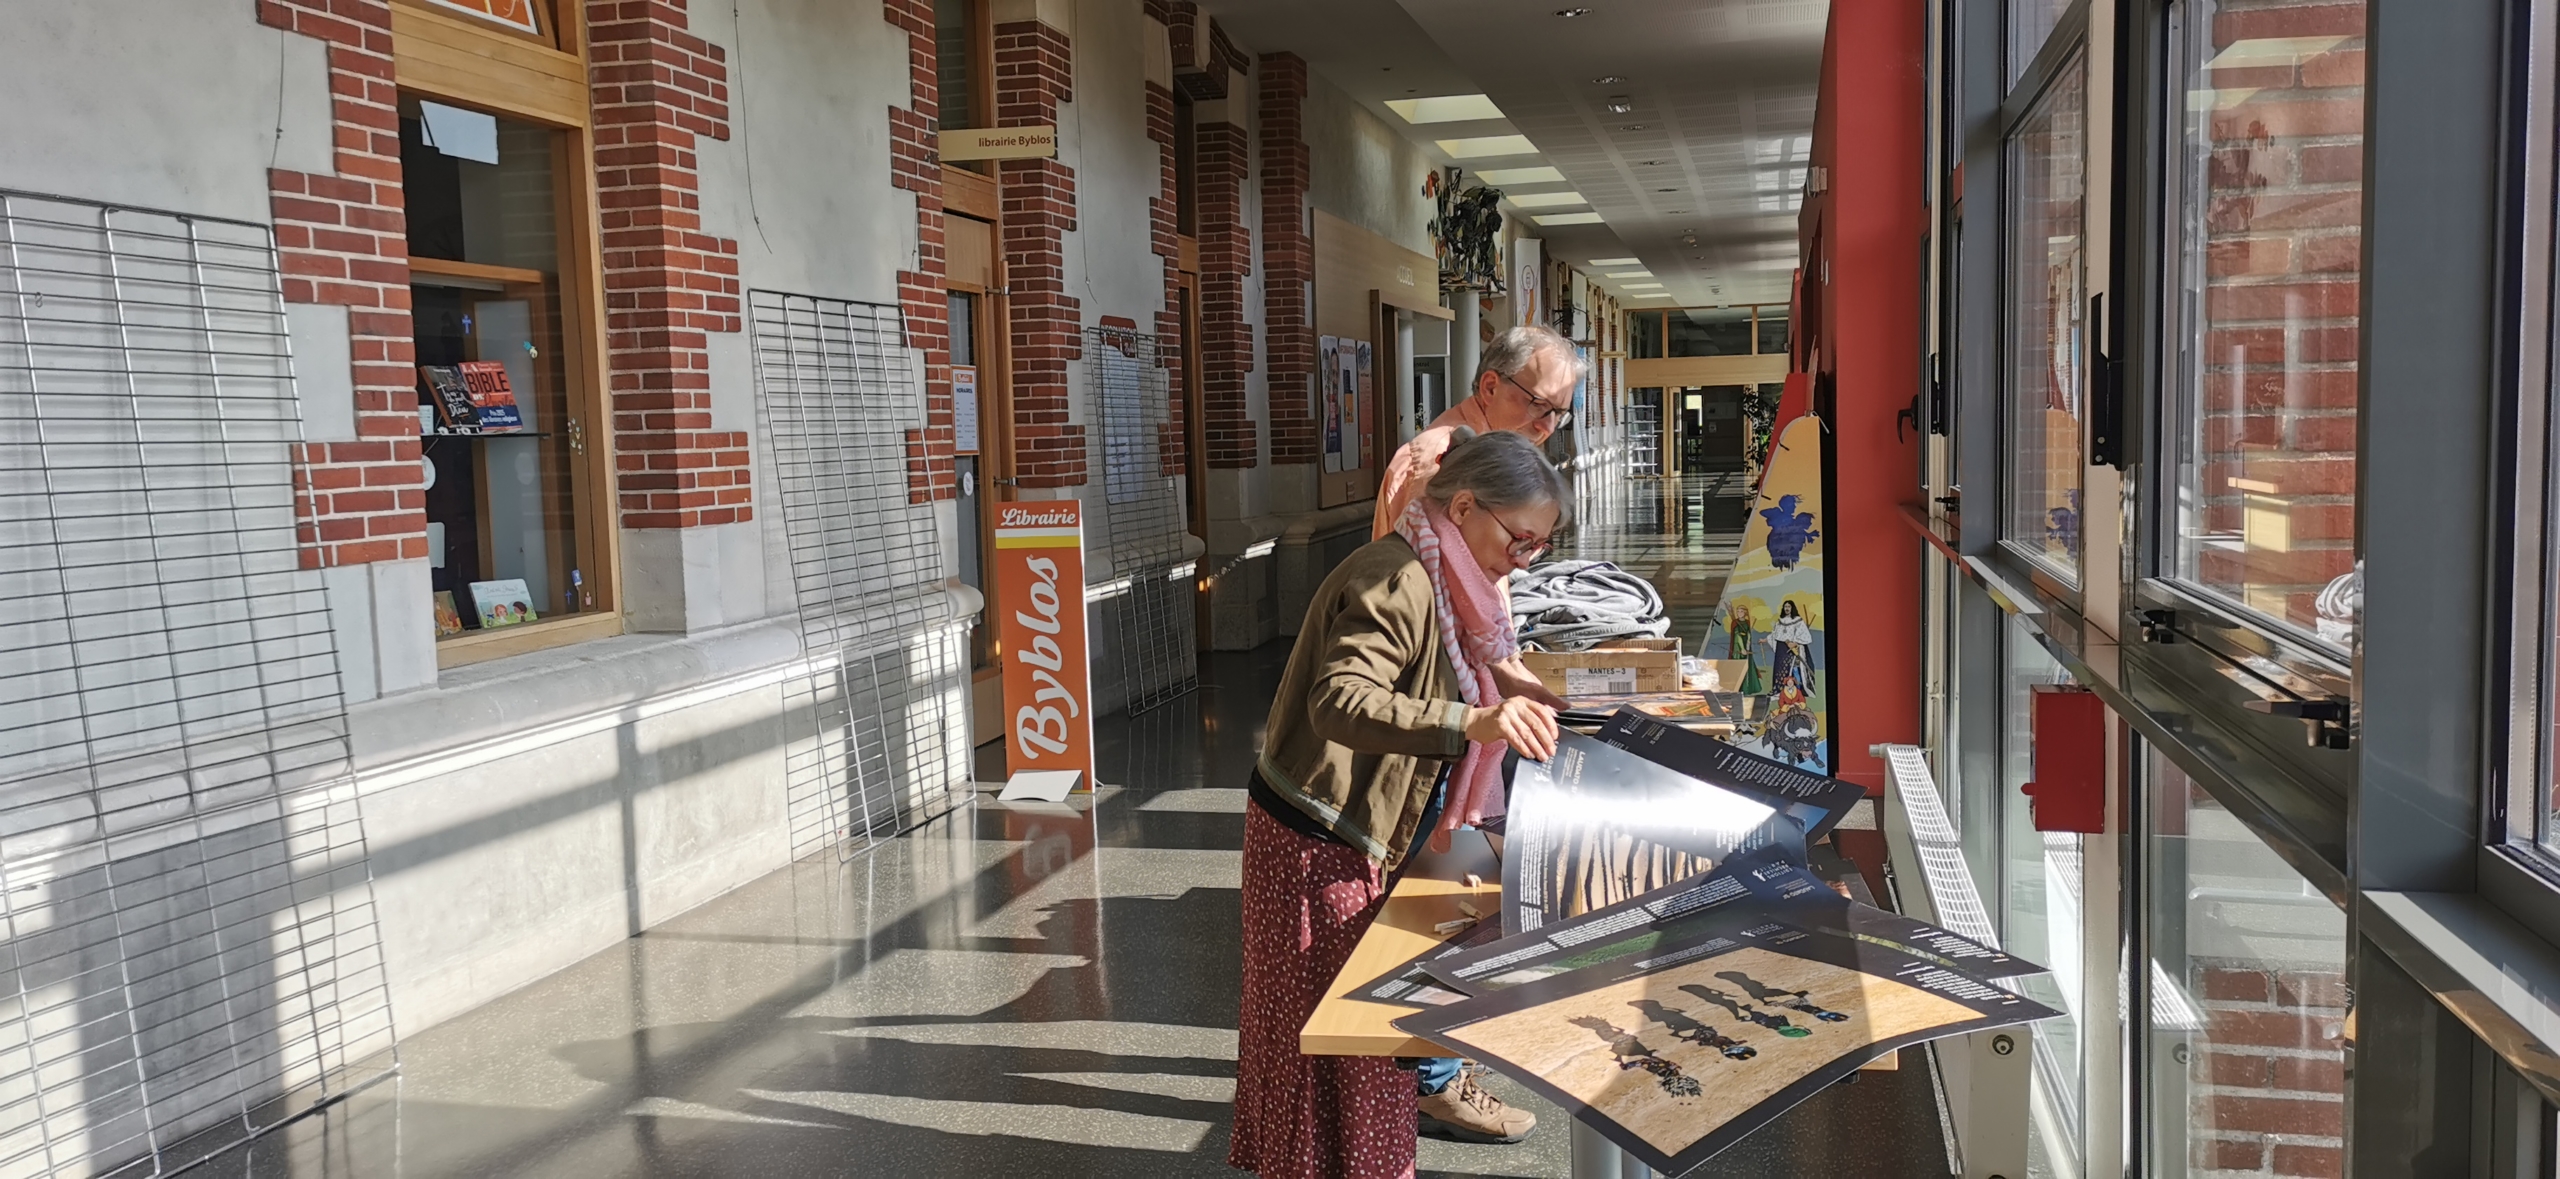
{"points": [[1524, 385]]}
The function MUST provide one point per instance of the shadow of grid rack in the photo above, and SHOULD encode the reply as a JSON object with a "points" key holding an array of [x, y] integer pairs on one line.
{"points": [[1151, 567], [192, 953], [880, 726]]}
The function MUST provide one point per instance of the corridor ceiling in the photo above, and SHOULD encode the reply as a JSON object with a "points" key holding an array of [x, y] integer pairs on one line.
{"points": [[1698, 179]]}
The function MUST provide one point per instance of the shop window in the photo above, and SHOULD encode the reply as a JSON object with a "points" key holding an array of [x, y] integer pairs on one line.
{"points": [[1644, 335], [2045, 321], [1710, 331], [2267, 204], [2039, 893], [511, 539], [2242, 1061], [963, 62]]}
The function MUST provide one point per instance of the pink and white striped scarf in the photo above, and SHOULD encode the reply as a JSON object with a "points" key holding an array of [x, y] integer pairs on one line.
{"points": [[1476, 630]]}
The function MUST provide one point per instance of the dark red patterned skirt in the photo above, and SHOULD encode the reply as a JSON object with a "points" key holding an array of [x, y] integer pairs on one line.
{"points": [[1306, 903]]}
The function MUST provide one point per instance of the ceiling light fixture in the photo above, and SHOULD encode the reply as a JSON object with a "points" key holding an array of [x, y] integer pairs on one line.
{"points": [[1544, 200], [1570, 13], [1445, 108], [1607, 80], [1488, 145], [1631, 274], [1619, 104], [1613, 261], [1568, 219], [1631, 127], [1506, 177]]}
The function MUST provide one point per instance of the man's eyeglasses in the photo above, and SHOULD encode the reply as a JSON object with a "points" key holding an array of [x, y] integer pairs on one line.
{"points": [[1560, 416], [1525, 546]]}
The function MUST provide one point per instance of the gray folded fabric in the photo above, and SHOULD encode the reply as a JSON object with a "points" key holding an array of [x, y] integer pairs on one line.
{"points": [[1578, 605]]}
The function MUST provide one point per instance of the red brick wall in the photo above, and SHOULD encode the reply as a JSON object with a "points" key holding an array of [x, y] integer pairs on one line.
{"points": [[2267, 1081], [657, 90], [1165, 241], [342, 240], [1039, 200], [915, 166], [1226, 265], [1288, 260], [2283, 201]]}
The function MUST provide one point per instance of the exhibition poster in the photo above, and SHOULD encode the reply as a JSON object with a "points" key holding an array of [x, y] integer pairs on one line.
{"points": [[1679, 1054], [1728, 765], [1597, 825], [1774, 615], [1760, 885], [1048, 696], [1329, 400], [1409, 986]]}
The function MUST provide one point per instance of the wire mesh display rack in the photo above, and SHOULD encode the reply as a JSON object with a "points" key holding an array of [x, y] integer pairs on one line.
{"points": [[880, 741], [1150, 567], [192, 950]]}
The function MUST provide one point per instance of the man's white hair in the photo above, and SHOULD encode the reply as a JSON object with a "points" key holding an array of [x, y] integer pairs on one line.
{"points": [[1513, 348]]}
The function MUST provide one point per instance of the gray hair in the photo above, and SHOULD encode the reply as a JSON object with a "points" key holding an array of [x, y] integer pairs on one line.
{"points": [[1503, 469], [1513, 348]]}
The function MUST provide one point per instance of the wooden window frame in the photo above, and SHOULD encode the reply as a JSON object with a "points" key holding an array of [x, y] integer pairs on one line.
{"points": [[451, 58]]}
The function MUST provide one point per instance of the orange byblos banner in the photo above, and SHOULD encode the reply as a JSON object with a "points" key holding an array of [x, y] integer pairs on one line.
{"points": [[1048, 696]]}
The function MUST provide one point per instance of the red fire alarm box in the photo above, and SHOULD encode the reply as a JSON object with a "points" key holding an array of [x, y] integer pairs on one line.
{"points": [[2069, 729]]}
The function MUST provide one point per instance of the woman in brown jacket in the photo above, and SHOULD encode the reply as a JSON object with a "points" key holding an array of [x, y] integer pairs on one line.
{"points": [[1388, 729]]}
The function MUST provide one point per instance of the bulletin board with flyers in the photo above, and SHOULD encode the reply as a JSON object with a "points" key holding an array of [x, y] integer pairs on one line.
{"points": [[1362, 279]]}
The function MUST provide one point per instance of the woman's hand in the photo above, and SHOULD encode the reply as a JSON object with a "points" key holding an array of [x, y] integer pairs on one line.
{"points": [[1515, 679], [1529, 726]]}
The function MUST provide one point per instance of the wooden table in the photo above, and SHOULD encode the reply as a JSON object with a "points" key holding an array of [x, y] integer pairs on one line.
{"points": [[1427, 895]]}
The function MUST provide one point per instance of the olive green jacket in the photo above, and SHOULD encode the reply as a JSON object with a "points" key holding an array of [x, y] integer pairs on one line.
{"points": [[1368, 708]]}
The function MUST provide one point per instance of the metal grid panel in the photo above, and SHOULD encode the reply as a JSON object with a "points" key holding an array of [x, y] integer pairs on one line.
{"points": [[882, 737], [192, 954], [1151, 577]]}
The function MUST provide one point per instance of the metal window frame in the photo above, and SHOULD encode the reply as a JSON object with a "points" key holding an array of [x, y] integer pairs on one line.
{"points": [[2066, 46]]}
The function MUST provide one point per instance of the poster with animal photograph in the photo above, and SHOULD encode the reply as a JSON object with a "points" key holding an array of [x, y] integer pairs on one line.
{"points": [[1749, 889], [1679, 1054], [1597, 825], [1774, 614]]}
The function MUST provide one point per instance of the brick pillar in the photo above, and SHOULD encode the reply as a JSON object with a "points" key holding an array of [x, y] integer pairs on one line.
{"points": [[1288, 261], [1164, 239], [1033, 77], [657, 90], [342, 240], [1226, 265], [923, 293]]}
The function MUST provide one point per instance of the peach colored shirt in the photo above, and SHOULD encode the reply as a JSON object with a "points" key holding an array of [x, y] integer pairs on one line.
{"points": [[1417, 461]]}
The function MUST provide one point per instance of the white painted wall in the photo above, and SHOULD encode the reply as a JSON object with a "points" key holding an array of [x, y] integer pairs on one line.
{"points": [[1362, 171], [179, 105]]}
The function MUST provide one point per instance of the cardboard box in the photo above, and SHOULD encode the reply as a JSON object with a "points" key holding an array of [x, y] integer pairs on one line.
{"points": [[1622, 667]]}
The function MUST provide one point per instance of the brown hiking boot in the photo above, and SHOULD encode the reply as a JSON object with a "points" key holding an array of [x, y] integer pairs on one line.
{"points": [[1469, 1112]]}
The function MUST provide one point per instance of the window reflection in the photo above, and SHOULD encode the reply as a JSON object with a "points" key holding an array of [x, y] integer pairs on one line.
{"points": [[2269, 202], [2244, 1061], [2045, 325], [2040, 905]]}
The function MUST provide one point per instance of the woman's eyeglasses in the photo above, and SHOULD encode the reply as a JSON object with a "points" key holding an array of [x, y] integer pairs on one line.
{"points": [[1525, 546]]}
